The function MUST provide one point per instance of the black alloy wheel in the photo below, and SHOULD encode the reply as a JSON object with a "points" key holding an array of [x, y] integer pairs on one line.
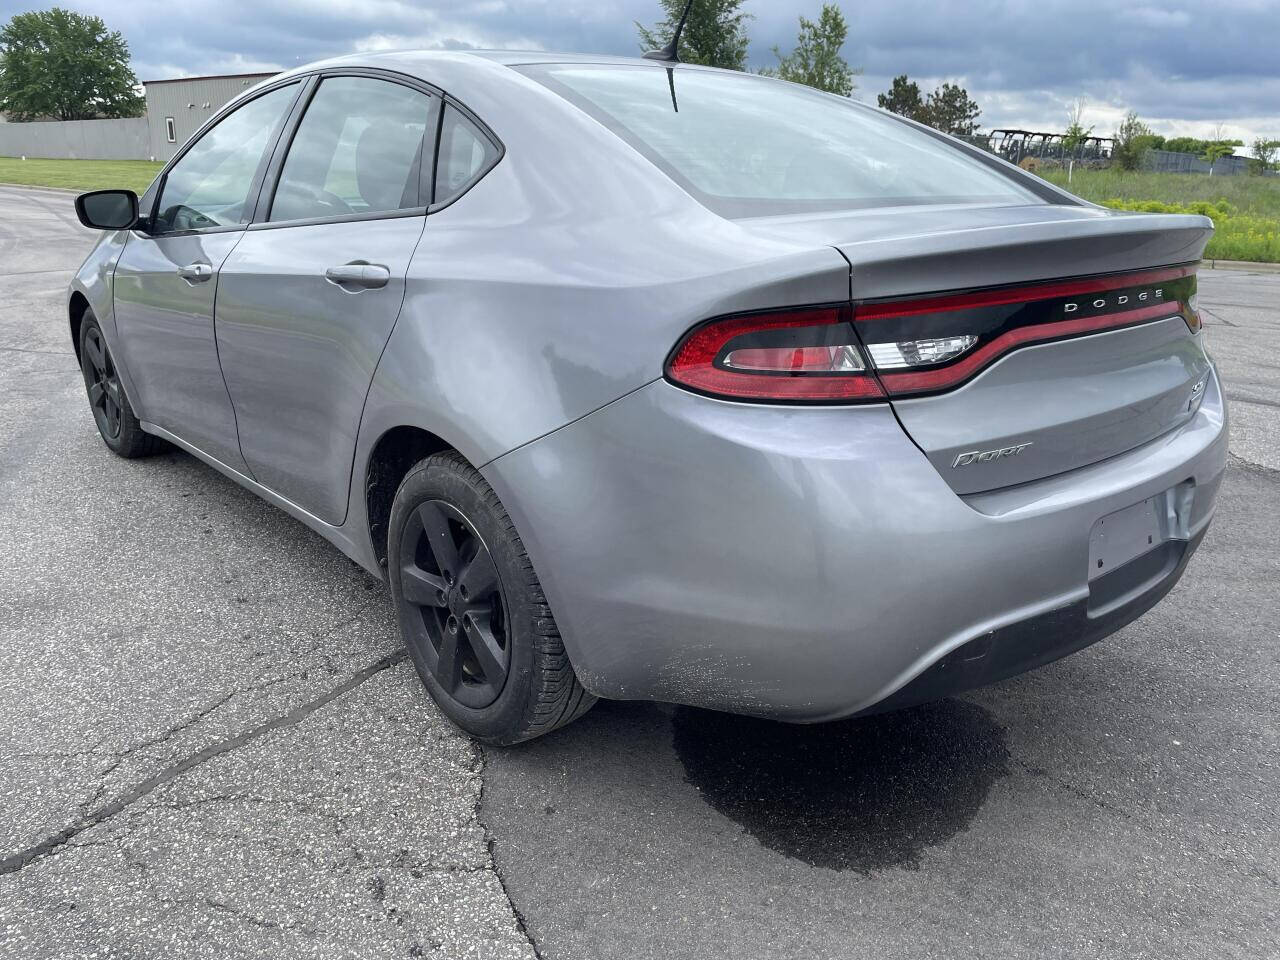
{"points": [[460, 620], [472, 612], [106, 398]]}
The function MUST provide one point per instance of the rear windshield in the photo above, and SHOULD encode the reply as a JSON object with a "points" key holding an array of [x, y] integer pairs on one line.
{"points": [[748, 146]]}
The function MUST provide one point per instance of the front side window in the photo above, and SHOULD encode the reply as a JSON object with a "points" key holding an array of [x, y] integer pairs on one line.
{"points": [[748, 146], [465, 154], [358, 150], [210, 185]]}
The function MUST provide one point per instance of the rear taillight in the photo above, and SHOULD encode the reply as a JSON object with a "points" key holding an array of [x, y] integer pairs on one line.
{"points": [[877, 349], [808, 355], [1192, 312], [930, 344]]}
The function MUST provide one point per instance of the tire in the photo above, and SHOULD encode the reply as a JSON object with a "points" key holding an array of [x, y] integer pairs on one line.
{"points": [[493, 659], [114, 416]]}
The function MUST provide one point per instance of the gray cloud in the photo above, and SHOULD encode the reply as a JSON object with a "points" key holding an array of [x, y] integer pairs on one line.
{"points": [[1184, 65]]}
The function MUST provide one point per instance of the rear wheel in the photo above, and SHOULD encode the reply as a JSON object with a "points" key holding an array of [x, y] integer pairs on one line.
{"points": [[116, 422], [471, 609]]}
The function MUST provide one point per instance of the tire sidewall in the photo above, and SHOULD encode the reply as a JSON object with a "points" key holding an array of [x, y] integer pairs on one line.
{"points": [[446, 479]]}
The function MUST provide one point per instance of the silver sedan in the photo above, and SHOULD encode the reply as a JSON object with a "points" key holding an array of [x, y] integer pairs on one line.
{"points": [[641, 380]]}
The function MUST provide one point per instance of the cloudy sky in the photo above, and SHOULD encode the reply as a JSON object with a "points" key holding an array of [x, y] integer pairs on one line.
{"points": [[1185, 67]]}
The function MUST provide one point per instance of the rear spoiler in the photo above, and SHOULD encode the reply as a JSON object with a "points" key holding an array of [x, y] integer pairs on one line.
{"points": [[1007, 253]]}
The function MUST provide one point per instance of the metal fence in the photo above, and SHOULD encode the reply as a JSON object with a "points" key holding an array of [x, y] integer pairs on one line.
{"points": [[1165, 161], [127, 139], [1097, 153]]}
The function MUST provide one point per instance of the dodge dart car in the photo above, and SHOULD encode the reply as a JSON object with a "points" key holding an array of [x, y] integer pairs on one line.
{"points": [[644, 380]]}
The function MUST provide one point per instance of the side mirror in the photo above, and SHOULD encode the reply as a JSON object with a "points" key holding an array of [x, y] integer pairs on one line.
{"points": [[108, 209]]}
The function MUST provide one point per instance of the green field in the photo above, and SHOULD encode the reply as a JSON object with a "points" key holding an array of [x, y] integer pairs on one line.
{"points": [[1245, 210], [79, 174]]}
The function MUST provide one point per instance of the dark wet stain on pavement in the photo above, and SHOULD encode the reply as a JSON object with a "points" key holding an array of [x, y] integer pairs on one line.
{"points": [[859, 795]]}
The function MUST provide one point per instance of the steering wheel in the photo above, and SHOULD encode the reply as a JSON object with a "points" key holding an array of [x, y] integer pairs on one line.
{"points": [[301, 195], [181, 217]]}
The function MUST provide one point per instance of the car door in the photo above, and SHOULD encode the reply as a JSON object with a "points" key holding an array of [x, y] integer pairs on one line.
{"points": [[307, 300], [167, 275]]}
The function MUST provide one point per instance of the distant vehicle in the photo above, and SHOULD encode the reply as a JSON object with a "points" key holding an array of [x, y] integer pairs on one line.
{"points": [[651, 381]]}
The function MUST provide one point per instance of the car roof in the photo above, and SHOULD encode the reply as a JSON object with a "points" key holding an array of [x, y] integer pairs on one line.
{"points": [[523, 57], [427, 63]]}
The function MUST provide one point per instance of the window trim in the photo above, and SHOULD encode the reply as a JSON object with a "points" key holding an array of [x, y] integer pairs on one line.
{"points": [[255, 186], [270, 183], [170, 130], [268, 171], [500, 151]]}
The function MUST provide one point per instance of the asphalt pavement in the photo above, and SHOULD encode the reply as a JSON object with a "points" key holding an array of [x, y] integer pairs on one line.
{"points": [[211, 747]]}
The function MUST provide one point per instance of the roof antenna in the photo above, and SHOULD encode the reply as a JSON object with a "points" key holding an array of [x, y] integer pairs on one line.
{"points": [[670, 53]]}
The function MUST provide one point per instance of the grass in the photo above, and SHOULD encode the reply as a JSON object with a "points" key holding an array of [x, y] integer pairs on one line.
{"points": [[133, 175], [1245, 210]]}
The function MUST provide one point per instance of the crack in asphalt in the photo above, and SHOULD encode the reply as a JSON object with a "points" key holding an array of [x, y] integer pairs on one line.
{"points": [[490, 843], [40, 353], [17, 861], [1240, 398], [1270, 473], [243, 915], [117, 758]]}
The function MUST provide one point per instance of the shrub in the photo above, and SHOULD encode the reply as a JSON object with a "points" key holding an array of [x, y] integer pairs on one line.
{"points": [[1235, 237]]}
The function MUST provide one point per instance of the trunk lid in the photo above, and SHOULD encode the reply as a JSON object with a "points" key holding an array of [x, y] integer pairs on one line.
{"points": [[1020, 342]]}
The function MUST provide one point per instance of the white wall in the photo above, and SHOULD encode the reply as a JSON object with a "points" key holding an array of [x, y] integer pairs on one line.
{"points": [[127, 139]]}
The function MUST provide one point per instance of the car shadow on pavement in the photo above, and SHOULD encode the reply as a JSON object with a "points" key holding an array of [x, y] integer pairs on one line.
{"points": [[859, 795]]}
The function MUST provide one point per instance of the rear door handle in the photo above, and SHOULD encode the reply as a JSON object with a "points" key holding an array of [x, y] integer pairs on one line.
{"points": [[196, 272], [358, 274]]}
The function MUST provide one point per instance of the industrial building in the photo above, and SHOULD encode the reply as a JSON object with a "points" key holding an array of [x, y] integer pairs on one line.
{"points": [[177, 108]]}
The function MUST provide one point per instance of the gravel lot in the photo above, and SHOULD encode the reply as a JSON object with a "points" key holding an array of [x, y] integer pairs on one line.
{"points": [[210, 746]]}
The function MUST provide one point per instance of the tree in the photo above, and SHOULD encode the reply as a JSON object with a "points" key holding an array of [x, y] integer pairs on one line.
{"points": [[714, 35], [950, 110], [1077, 133], [1219, 147], [1215, 151], [816, 60], [61, 65], [1197, 146], [1185, 145], [1264, 155], [1132, 137], [903, 98]]}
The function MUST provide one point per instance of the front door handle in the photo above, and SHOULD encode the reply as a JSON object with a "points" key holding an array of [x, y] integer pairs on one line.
{"points": [[358, 274], [196, 272]]}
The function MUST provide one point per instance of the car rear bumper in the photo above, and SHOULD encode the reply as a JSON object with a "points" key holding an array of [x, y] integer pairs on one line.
{"points": [[809, 563]]}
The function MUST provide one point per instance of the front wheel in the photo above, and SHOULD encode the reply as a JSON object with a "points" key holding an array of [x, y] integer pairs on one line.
{"points": [[471, 609], [117, 424]]}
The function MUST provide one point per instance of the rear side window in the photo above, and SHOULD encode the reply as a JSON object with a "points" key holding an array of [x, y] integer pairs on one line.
{"points": [[466, 154], [358, 150], [749, 146]]}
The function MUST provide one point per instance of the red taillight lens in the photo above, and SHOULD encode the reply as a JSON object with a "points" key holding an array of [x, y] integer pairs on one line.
{"points": [[798, 356]]}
